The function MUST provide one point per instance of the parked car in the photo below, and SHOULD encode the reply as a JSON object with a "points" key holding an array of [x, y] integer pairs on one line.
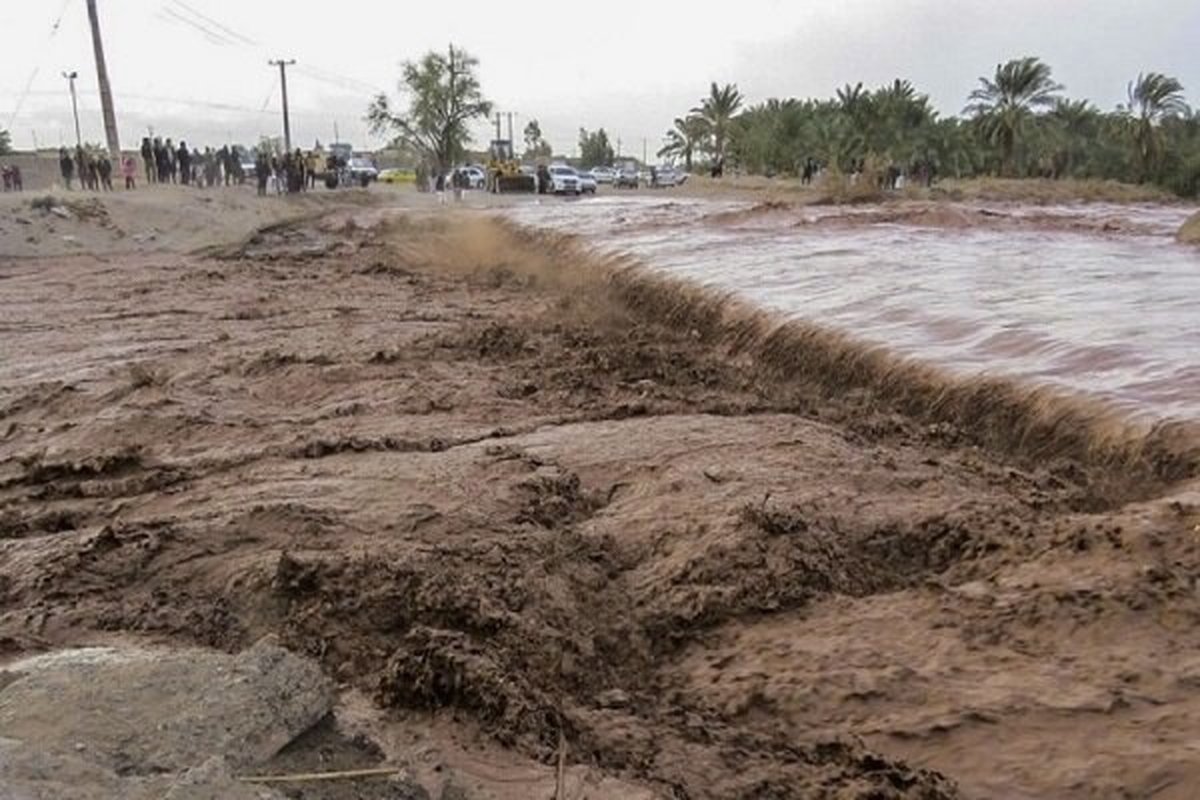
{"points": [[604, 174], [563, 179], [362, 171], [627, 178], [665, 177], [587, 182], [477, 177]]}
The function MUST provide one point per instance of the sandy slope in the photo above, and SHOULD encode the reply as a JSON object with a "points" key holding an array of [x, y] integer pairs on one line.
{"points": [[468, 485]]}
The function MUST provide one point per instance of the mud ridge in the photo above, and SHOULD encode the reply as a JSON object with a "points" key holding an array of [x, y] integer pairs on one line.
{"points": [[1030, 422]]}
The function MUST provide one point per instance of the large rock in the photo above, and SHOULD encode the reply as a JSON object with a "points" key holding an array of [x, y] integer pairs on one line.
{"points": [[1190, 232], [27, 773], [100, 713]]}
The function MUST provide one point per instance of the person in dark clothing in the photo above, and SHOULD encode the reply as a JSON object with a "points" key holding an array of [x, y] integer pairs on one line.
{"points": [[81, 168], [92, 169], [66, 166], [185, 163], [148, 160], [12, 178], [262, 172], [225, 156], [160, 162], [235, 162], [296, 180], [104, 169]]}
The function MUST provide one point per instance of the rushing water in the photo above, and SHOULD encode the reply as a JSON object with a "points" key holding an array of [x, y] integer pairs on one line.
{"points": [[1113, 311]]}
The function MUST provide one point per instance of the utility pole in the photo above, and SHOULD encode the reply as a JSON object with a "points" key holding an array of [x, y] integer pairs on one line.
{"points": [[498, 134], [71, 76], [106, 100], [510, 128], [287, 123], [644, 162]]}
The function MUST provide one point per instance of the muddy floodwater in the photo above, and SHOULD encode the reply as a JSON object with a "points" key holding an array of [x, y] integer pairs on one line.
{"points": [[1096, 299]]}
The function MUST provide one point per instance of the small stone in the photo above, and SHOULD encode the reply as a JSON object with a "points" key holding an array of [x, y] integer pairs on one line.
{"points": [[613, 698]]}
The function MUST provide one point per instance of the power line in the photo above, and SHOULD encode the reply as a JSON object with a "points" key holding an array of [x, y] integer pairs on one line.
{"points": [[230, 32], [62, 11], [212, 36], [188, 102], [225, 35]]}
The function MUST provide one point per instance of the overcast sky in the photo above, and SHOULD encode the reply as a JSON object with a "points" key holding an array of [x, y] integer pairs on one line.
{"points": [[197, 69]]}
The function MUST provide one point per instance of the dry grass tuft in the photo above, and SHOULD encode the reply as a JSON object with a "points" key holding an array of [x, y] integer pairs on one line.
{"points": [[1048, 192]]}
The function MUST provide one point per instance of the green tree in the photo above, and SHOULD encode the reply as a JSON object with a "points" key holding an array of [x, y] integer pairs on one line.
{"points": [[595, 150], [1004, 104], [1073, 127], [5, 143], [535, 144], [718, 111], [1153, 97], [682, 140], [444, 97]]}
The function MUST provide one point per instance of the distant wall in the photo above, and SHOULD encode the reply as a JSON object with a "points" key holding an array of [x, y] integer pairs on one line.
{"points": [[39, 171]]}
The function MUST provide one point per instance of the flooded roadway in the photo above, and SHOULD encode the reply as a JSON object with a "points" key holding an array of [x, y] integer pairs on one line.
{"points": [[1095, 299]]}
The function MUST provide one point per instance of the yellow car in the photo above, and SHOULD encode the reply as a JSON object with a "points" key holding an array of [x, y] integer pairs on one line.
{"points": [[397, 176]]}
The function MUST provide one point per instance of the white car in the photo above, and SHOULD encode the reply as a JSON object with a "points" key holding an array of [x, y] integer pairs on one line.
{"points": [[362, 171], [668, 176], [477, 176], [587, 182], [563, 180], [604, 174]]}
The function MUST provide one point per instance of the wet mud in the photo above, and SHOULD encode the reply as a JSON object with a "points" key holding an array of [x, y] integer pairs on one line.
{"points": [[483, 474]]}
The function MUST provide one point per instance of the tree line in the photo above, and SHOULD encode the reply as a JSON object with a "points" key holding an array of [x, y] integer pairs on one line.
{"points": [[1017, 123]]}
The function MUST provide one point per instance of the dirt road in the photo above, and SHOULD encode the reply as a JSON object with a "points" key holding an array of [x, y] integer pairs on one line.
{"points": [[476, 471]]}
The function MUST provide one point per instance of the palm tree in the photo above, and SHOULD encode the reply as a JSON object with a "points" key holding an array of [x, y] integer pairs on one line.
{"points": [[718, 110], [1153, 97], [1005, 103], [854, 100], [682, 140], [1075, 123]]}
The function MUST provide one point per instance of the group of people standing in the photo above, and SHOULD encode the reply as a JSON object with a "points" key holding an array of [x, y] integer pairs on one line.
{"points": [[94, 168], [291, 172], [11, 174], [166, 163]]}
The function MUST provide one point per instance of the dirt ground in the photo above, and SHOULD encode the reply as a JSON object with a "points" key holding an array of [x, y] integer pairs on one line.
{"points": [[529, 516]]}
